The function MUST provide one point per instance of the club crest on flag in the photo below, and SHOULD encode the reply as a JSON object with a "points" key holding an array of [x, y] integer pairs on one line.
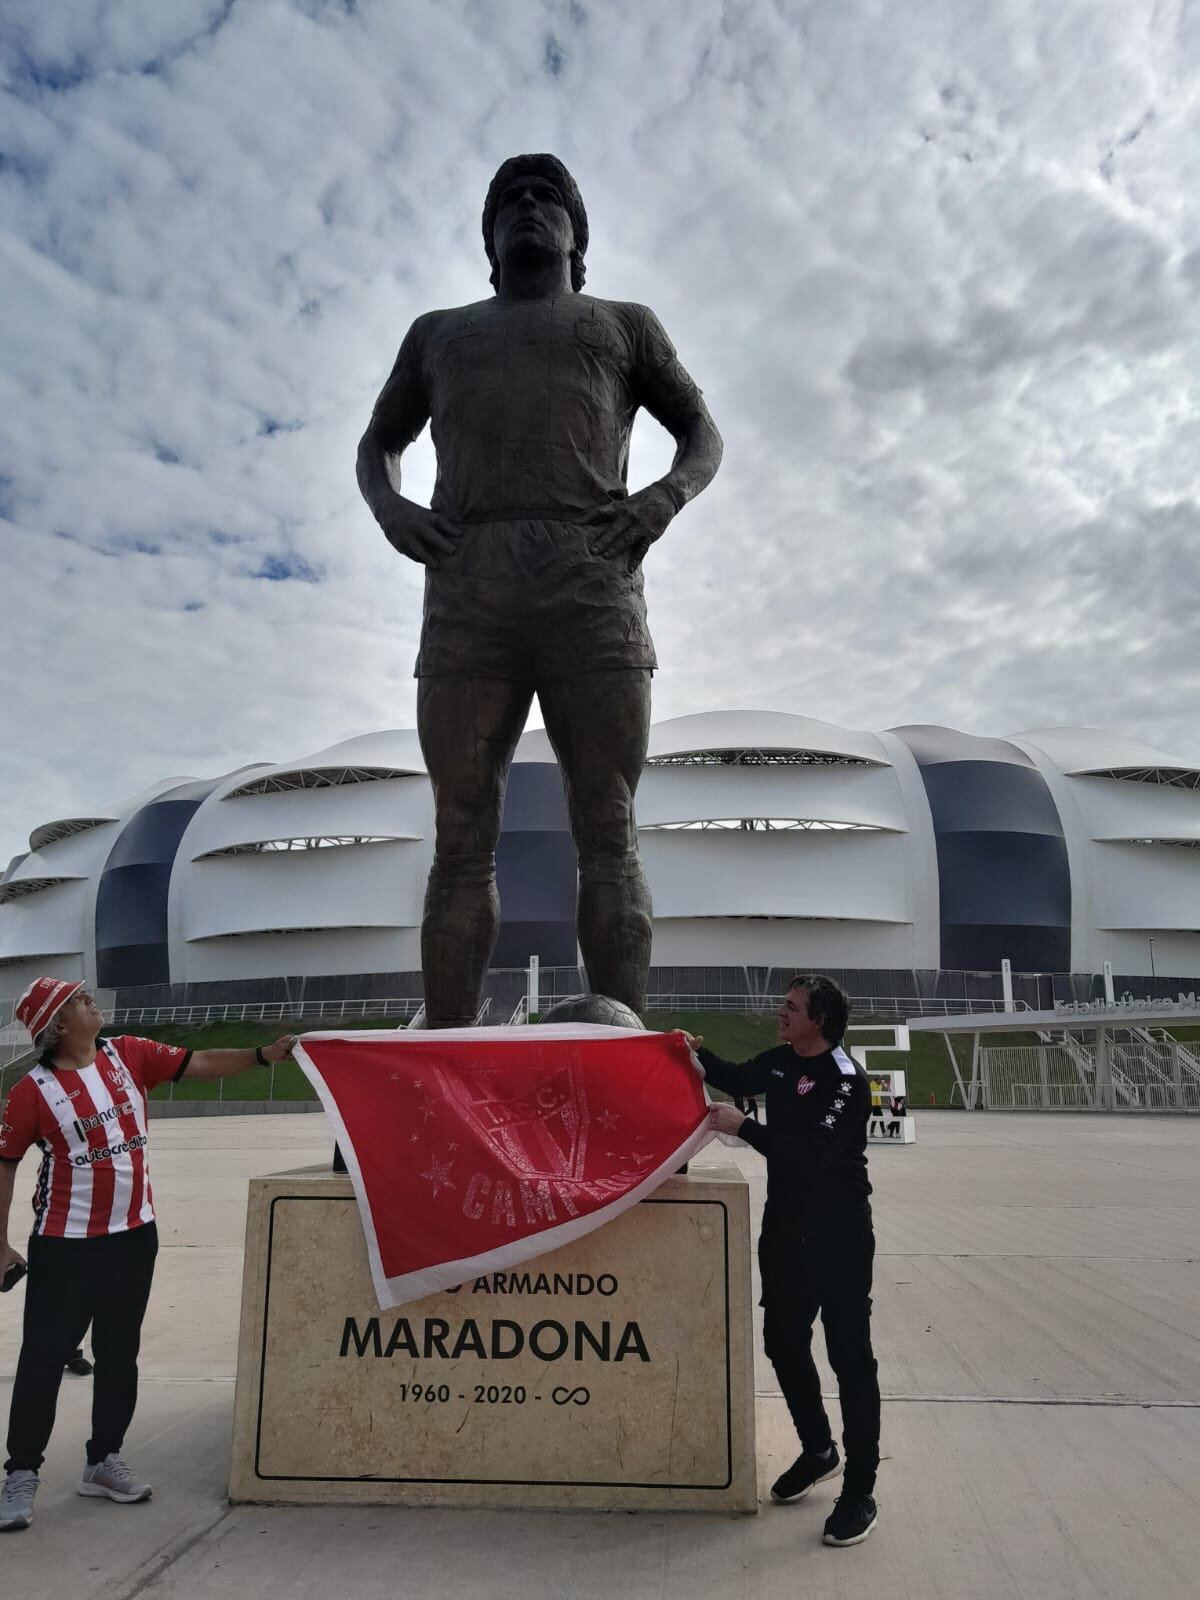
{"points": [[541, 1132]]}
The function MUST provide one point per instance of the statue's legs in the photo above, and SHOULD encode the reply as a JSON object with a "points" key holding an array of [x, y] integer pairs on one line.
{"points": [[599, 725], [468, 729]]}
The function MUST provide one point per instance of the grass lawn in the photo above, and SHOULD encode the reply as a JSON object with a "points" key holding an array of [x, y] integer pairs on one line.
{"points": [[733, 1035], [290, 1082], [926, 1065]]}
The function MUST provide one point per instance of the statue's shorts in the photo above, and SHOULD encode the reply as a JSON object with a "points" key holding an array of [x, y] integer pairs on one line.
{"points": [[528, 600]]}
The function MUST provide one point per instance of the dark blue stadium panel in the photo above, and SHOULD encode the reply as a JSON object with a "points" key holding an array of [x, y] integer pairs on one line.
{"points": [[534, 801], [1003, 873], [536, 871], [131, 900], [986, 797], [552, 942]]}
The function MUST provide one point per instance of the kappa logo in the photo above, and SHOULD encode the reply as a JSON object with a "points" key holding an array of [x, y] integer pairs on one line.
{"points": [[805, 1085]]}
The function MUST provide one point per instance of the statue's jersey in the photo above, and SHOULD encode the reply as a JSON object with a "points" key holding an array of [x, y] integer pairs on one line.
{"points": [[531, 404]]}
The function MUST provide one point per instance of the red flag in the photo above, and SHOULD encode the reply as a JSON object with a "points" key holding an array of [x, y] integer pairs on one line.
{"points": [[474, 1149]]}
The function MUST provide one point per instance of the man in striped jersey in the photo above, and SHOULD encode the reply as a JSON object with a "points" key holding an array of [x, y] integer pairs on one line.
{"points": [[94, 1240], [817, 1246]]}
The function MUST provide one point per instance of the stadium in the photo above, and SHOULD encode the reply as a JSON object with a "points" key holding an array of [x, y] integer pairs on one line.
{"points": [[911, 862]]}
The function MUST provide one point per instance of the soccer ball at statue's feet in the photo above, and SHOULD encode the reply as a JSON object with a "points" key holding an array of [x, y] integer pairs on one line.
{"points": [[593, 1008]]}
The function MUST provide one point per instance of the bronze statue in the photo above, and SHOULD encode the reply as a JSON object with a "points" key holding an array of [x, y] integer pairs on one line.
{"points": [[533, 552]]}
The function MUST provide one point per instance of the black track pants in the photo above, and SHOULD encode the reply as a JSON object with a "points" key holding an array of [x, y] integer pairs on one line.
{"points": [[829, 1275], [72, 1282]]}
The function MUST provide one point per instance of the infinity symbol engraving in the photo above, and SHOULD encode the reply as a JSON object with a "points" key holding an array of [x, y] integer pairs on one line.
{"points": [[562, 1397]]}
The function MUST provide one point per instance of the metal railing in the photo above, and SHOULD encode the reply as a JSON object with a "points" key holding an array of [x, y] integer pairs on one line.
{"points": [[411, 1009], [860, 1005], [1067, 1076], [14, 1068], [266, 1011], [1189, 1062]]}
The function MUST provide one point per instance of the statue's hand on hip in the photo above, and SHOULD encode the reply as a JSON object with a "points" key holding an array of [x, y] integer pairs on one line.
{"points": [[630, 526], [417, 533]]}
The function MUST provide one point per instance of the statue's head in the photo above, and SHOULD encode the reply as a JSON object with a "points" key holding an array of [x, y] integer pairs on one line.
{"points": [[534, 199]]}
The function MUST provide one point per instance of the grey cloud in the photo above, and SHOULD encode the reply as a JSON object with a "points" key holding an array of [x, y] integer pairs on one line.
{"points": [[940, 298]]}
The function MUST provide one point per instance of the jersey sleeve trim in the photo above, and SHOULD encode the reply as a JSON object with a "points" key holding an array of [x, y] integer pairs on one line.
{"points": [[845, 1065]]}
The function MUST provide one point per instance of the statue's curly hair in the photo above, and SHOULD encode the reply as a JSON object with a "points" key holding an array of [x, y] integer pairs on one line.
{"points": [[544, 166]]}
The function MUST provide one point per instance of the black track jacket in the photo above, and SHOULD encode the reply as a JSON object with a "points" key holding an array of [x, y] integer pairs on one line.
{"points": [[815, 1138]]}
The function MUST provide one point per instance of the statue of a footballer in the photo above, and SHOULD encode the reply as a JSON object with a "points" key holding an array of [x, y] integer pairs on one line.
{"points": [[533, 551]]}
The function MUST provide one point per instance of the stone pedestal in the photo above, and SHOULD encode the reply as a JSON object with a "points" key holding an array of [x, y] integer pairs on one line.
{"points": [[615, 1373]]}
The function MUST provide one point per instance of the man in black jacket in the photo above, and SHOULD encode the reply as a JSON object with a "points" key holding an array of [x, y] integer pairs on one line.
{"points": [[817, 1244]]}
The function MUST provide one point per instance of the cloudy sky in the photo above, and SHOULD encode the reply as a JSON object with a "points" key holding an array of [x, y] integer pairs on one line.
{"points": [[936, 267]]}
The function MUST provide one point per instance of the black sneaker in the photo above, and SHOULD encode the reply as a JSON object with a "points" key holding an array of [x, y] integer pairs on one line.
{"points": [[79, 1365], [851, 1519], [806, 1470]]}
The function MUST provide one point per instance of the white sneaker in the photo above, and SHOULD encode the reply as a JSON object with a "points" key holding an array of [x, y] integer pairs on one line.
{"points": [[114, 1480], [16, 1500]]}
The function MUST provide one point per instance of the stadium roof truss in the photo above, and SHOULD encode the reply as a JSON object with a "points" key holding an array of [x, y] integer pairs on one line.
{"points": [[53, 832], [758, 758], [258, 933], [284, 846], [1182, 844], [22, 887], [316, 778], [1169, 777], [762, 825]]}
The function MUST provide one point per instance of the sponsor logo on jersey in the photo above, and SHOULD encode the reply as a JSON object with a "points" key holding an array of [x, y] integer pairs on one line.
{"points": [[84, 1125], [127, 1147]]}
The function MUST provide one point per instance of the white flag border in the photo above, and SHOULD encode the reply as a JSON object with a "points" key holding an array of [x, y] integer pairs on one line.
{"points": [[409, 1286]]}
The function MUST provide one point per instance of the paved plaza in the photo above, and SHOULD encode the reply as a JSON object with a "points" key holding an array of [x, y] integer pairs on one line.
{"points": [[1037, 1316]]}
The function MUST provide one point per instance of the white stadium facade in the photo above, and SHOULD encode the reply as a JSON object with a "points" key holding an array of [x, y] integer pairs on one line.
{"points": [[772, 843]]}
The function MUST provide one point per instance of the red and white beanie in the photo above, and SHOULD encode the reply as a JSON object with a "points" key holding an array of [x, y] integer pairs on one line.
{"points": [[43, 1000]]}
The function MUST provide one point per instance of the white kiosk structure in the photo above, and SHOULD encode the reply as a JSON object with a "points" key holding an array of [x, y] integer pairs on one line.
{"points": [[1104, 1055]]}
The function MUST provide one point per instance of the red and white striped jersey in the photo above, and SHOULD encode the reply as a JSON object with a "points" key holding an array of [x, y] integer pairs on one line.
{"points": [[91, 1126]]}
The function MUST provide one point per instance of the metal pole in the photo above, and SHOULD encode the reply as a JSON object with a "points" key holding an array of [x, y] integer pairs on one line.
{"points": [[534, 1005], [1153, 977], [1177, 1074], [1106, 1097], [962, 1090]]}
